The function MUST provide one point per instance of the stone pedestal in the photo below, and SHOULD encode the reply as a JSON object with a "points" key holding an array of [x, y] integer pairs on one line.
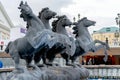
{"points": [[51, 73]]}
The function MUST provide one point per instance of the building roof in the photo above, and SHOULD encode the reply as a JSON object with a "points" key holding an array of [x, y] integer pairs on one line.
{"points": [[107, 30]]}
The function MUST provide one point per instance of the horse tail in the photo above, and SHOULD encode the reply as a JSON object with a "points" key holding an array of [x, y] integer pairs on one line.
{"points": [[7, 48]]}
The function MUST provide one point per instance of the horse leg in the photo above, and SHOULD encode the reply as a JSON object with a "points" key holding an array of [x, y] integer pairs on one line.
{"points": [[28, 61], [44, 58], [37, 59], [102, 43], [106, 54], [67, 61], [105, 51], [50, 60], [16, 59], [66, 57], [73, 59], [105, 47]]}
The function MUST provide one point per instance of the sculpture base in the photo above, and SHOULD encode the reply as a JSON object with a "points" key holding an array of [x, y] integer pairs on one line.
{"points": [[51, 73]]}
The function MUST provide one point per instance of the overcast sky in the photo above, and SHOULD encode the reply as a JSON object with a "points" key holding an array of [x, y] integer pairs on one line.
{"points": [[101, 11]]}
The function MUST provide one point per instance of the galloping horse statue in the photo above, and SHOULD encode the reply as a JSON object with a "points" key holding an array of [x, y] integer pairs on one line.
{"points": [[63, 41], [59, 27], [84, 42], [34, 41], [45, 15]]}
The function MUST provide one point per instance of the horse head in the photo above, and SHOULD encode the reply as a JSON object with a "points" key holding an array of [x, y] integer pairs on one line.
{"points": [[46, 13], [64, 21], [86, 22], [25, 10], [61, 21], [81, 25]]}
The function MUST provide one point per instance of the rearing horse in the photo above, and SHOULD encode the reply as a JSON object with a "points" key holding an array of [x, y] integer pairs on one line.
{"points": [[59, 27], [63, 41], [35, 39], [45, 15], [84, 42]]}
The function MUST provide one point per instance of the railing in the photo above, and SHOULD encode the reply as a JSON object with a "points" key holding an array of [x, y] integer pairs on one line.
{"points": [[96, 71], [4, 73], [104, 71]]}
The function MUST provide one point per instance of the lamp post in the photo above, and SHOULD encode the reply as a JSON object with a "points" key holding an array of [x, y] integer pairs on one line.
{"points": [[116, 35], [74, 19], [118, 20], [78, 16]]}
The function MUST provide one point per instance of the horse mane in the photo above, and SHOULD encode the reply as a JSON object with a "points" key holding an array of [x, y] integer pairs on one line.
{"points": [[75, 31], [43, 9], [54, 23], [75, 27]]}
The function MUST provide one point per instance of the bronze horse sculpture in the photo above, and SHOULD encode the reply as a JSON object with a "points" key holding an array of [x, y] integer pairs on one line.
{"points": [[45, 15], [64, 43], [59, 27], [36, 38], [84, 42]]}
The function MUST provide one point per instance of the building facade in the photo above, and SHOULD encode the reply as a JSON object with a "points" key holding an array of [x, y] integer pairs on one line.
{"points": [[110, 33], [5, 25]]}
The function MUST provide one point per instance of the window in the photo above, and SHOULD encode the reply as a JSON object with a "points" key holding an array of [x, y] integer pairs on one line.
{"points": [[108, 30]]}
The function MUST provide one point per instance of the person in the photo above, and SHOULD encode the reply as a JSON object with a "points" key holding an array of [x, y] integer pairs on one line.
{"points": [[1, 46], [1, 64], [90, 61]]}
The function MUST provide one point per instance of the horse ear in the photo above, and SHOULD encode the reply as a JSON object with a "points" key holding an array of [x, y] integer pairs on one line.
{"points": [[21, 3], [26, 3]]}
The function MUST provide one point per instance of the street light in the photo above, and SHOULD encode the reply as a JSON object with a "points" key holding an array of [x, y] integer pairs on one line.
{"points": [[78, 16], [116, 35], [118, 20], [74, 19]]}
